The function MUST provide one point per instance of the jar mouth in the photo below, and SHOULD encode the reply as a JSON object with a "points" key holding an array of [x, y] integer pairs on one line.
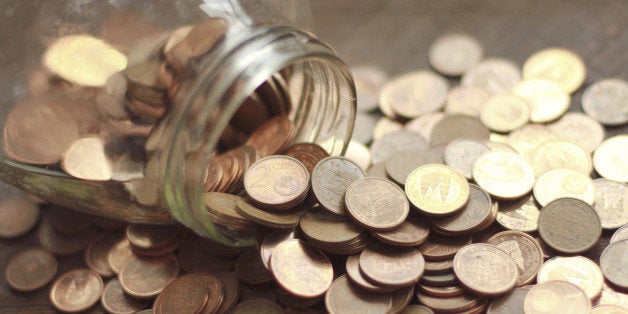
{"points": [[320, 88]]}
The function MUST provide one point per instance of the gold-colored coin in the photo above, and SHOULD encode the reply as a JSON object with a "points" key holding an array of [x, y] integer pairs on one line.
{"points": [[384, 126], [578, 270], [546, 99], [415, 93], [559, 154], [609, 159], [559, 65], [437, 190], [466, 99], [580, 129], [562, 183], [503, 175], [83, 60], [86, 159], [556, 296], [526, 139], [493, 75], [504, 113]]}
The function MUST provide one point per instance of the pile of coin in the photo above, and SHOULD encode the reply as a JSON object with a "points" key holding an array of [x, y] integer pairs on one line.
{"points": [[487, 206]]}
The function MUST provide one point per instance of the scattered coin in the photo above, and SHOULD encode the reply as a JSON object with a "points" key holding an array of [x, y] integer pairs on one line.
{"points": [[387, 145], [277, 182], [559, 65], [605, 101], [413, 94], [471, 218], [63, 244], [504, 113], [454, 54], [266, 218], [391, 266], [554, 296], [466, 100], [609, 158], [346, 298], [578, 270], [461, 154], [85, 159], [416, 309], [384, 126], [519, 215], [526, 139], [331, 178], [524, 250], [614, 262], [413, 232], [363, 127], [608, 309], [194, 289], [359, 154], [76, 291], [97, 252], [510, 303], [441, 292], [493, 75], [301, 269], [368, 80], [424, 123], [18, 215], [569, 225], [137, 270], [503, 175], [560, 183], [611, 203], [257, 306], [455, 126], [437, 190], [485, 269], [114, 300], [557, 154], [376, 204], [580, 129], [352, 267], [31, 269], [250, 269], [271, 241], [118, 254], [438, 248], [400, 164], [457, 304], [546, 99]]}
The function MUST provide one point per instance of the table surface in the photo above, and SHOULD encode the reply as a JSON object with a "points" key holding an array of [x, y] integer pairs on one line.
{"points": [[395, 35]]}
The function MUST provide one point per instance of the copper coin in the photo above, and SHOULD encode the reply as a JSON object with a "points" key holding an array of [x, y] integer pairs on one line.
{"points": [[439, 280], [461, 154], [144, 277], [387, 145], [273, 136], [416, 309], [611, 203], [85, 159], [152, 237], [391, 266], [485, 269], [376, 204], [216, 293], [222, 207], [277, 220], [230, 288], [118, 254], [186, 294], [271, 241], [511, 303], [114, 300], [437, 190], [76, 291], [277, 182], [469, 218], [556, 296], [439, 267], [414, 231], [519, 215], [344, 297], [569, 225], [31, 269], [401, 298], [604, 101], [62, 244], [352, 267], [250, 269], [331, 178], [456, 304], [454, 126], [67, 221], [322, 226], [257, 306], [578, 270], [441, 292], [524, 250], [26, 133], [97, 252], [301, 269], [400, 164], [438, 248], [307, 153], [614, 262], [17, 217]]}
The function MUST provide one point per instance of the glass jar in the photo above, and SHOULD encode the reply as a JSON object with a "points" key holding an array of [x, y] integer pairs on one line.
{"points": [[81, 69]]}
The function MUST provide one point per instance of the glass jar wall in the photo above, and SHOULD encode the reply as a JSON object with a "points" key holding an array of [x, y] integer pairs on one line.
{"points": [[134, 109]]}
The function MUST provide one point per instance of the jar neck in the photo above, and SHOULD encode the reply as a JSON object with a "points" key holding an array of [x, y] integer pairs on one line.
{"points": [[324, 114]]}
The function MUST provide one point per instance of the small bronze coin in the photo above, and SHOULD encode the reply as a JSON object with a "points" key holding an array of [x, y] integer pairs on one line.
{"points": [[469, 218], [17, 217], [62, 244], [301, 269], [391, 266], [556, 296], [307, 153], [118, 254], [352, 267], [438, 248], [171, 299], [76, 291], [524, 250], [152, 237], [441, 292], [277, 182], [322, 226], [569, 225], [277, 220], [270, 242], [503, 175], [97, 252], [216, 293], [114, 300], [331, 178], [31, 269], [485, 269], [376, 204], [519, 215], [145, 277], [416, 309], [439, 267], [344, 297], [455, 126], [611, 203], [578, 270], [257, 306], [223, 206], [273, 136], [439, 280], [68, 221], [437, 190], [456, 304], [250, 269], [414, 231], [614, 263], [511, 303]]}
